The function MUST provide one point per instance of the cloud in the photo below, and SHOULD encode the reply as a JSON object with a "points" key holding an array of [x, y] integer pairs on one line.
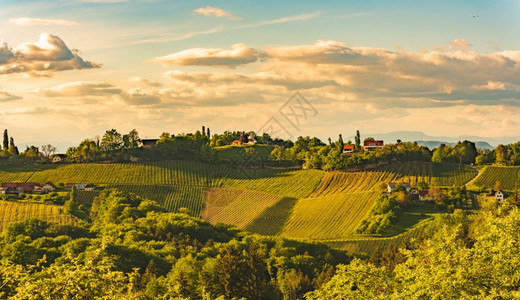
{"points": [[331, 71], [5, 97], [140, 96], [39, 22], [301, 17], [217, 12], [49, 54], [239, 54], [79, 89]]}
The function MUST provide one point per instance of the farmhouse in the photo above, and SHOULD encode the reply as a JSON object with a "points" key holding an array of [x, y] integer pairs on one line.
{"points": [[392, 186], [80, 186], [499, 196], [58, 158], [373, 145], [19, 187], [48, 187], [348, 149], [423, 195], [148, 143], [236, 142]]}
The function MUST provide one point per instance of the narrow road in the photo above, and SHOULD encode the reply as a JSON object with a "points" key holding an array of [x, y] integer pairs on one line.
{"points": [[474, 178]]}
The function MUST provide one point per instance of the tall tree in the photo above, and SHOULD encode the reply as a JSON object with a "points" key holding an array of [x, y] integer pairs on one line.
{"points": [[341, 143], [13, 150], [357, 141], [208, 133], [6, 140], [203, 130]]}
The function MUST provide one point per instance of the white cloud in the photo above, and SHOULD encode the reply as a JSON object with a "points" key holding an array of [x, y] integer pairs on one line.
{"points": [[49, 54], [5, 96], [39, 22], [79, 89], [239, 54], [217, 12]]}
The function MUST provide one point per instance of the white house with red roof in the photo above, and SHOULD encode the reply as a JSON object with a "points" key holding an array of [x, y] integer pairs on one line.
{"points": [[373, 145], [348, 149]]}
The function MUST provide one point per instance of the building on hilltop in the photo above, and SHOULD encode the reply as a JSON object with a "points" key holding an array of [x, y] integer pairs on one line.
{"points": [[58, 158], [373, 145], [148, 143], [348, 149]]}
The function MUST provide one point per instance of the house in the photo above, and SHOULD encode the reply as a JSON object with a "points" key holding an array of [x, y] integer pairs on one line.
{"points": [[58, 158], [251, 141], [373, 145], [80, 186], [499, 196], [423, 195], [148, 143], [236, 142], [48, 187], [90, 187], [392, 186], [348, 149], [19, 187]]}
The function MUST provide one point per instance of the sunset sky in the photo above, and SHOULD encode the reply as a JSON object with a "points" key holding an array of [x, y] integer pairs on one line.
{"points": [[70, 70]]}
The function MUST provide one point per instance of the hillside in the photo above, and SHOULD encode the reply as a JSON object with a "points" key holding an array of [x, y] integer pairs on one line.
{"points": [[508, 176], [304, 204]]}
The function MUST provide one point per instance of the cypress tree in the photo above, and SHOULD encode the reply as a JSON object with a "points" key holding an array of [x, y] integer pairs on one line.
{"points": [[6, 140]]}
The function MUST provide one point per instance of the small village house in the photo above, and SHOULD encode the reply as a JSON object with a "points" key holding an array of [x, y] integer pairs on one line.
{"points": [[58, 158], [19, 187], [80, 186], [348, 149], [236, 142], [48, 187], [393, 185], [423, 195], [373, 145], [148, 143], [499, 196]]}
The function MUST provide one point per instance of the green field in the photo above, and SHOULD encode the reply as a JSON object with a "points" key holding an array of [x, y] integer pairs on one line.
{"points": [[508, 176], [303, 204]]}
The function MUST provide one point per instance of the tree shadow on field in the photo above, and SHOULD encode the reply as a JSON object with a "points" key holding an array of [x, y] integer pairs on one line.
{"points": [[272, 220]]}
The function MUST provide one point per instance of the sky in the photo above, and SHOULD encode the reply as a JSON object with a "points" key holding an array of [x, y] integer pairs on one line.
{"points": [[70, 70]]}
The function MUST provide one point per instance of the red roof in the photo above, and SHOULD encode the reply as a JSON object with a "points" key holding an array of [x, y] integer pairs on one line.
{"points": [[236, 142], [50, 183], [373, 143], [348, 147], [422, 193]]}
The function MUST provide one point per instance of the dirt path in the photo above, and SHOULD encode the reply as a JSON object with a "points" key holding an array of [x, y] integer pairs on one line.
{"points": [[474, 178]]}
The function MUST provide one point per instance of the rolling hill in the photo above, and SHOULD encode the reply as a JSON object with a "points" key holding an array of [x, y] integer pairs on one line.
{"points": [[302, 204]]}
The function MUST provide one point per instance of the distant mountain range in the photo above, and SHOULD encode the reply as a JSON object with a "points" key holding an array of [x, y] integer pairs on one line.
{"points": [[434, 141]]}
